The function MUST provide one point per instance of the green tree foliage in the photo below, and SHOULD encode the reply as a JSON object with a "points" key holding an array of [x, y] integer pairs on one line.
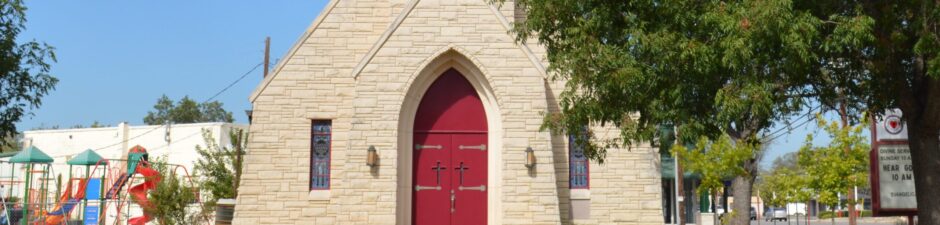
{"points": [[219, 167], [24, 69], [839, 166], [710, 67], [172, 197], [186, 111], [716, 161], [886, 54], [10, 144]]}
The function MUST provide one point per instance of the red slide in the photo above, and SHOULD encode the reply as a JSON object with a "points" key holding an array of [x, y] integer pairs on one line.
{"points": [[139, 193]]}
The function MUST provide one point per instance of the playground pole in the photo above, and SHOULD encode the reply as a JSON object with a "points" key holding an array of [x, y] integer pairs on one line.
{"points": [[84, 198], [29, 168], [101, 196], [12, 169], [44, 190]]}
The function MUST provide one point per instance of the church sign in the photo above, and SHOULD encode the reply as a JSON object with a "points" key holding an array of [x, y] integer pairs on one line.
{"points": [[892, 173]]}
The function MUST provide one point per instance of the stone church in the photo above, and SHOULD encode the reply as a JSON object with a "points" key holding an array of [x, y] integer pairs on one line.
{"points": [[427, 112]]}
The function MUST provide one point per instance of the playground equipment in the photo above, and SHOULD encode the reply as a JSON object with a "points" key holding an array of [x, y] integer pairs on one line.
{"points": [[63, 208], [100, 187], [137, 164], [33, 157]]}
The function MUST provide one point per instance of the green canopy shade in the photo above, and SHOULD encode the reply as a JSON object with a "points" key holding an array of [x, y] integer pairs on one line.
{"points": [[8, 154], [669, 168], [31, 155], [87, 158]]}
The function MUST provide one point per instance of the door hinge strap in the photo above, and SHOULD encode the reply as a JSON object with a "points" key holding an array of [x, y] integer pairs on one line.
{"points": [[419, 188], [419, 147], [477, 188], [477, 147]]}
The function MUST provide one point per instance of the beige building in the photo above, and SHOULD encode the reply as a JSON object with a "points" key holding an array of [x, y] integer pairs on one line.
{"points": [[450, 103]]}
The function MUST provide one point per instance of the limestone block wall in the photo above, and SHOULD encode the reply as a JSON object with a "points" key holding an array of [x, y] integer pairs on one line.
{"points": [[325, 77]]}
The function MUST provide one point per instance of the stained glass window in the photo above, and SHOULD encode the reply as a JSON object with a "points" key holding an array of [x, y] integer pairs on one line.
{"points": [[320, 147], [578, 175]]}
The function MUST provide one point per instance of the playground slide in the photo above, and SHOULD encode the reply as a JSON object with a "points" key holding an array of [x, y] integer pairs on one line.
{"points": [[139, 193], [66, 203]]}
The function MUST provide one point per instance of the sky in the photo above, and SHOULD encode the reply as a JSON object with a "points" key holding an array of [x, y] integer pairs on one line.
{"points": [[115, 58]]}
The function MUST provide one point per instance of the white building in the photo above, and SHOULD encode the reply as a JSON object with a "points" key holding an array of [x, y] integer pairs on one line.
{"points": [[176, 142]]}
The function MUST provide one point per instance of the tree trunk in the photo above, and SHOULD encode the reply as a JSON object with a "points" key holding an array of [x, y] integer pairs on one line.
{"points": [[925, 155], [742, 200]]}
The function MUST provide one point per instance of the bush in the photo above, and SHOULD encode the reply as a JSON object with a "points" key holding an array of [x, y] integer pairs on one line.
{"points": [[171, 197], [831, 214]]}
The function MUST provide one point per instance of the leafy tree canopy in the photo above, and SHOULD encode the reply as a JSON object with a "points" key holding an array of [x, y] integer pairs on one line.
{"points": [[24, 69], [186, 111], [839, 166], [712, 68]]}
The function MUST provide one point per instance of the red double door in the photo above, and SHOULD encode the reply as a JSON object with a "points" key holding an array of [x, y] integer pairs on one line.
{"points": [[450, 155]]}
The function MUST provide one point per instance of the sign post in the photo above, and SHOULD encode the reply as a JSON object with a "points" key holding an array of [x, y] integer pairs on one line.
{"points": [[892, 173]]}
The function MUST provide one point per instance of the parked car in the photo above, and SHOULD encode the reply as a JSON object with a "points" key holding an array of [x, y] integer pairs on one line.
{"points": [[775, 214]]}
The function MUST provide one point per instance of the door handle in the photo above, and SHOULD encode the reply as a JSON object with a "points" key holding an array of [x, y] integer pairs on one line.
{"points": [[419, 188], [453, 200], [477, 188]]}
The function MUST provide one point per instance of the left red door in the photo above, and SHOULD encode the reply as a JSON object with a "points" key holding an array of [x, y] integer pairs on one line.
{"points": [[432, 187]]}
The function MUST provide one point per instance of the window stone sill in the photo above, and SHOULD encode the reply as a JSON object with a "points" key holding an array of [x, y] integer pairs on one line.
{"points": [[319, 195]]}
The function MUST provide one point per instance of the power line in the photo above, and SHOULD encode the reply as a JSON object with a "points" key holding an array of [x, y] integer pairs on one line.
{"points": [[790, 128], [207, 100], [773, 136], [233, 83]]}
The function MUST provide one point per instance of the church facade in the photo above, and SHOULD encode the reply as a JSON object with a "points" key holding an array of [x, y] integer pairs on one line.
{"points": [[427, 112]]}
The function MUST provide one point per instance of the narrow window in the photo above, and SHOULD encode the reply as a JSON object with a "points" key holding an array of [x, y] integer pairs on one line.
{"points": [[320, 147], [578, 175]]}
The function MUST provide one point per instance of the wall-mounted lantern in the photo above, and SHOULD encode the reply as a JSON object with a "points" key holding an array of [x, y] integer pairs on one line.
{"points": [[529, 158], [372, 157]]}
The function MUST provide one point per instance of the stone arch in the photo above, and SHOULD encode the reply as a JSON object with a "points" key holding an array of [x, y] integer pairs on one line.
{"points": [[421, 80]]}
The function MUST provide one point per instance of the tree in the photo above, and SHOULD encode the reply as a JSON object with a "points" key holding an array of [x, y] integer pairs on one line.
{"points": [[171, 197], [839, 166], [712, 68], [11, 144], [219, 168], [24, 69], [186, 111], [785, 183], [882, 55], [715, 161]]}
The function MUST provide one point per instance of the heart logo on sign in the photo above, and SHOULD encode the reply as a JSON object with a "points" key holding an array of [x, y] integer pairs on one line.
{"points": [[893, 124]]}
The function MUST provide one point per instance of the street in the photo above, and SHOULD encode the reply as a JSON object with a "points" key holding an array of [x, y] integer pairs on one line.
{"points": [[839, 221]]}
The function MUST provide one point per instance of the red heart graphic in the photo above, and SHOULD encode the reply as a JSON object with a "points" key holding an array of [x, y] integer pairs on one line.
{"points": [[894, 124]]}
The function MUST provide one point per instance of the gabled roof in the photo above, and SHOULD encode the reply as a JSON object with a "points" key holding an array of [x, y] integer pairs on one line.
{"points": [[87, 158], [31, 155]]}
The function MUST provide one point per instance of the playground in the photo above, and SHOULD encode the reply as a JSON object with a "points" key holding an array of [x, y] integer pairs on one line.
{"points": [[96, 191]]}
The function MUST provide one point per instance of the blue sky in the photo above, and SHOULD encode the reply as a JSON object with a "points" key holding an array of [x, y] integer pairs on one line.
{"points": [[117, 57]]}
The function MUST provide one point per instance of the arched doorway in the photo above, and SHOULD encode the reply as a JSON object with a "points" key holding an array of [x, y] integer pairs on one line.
{"points": [[450, 154]]}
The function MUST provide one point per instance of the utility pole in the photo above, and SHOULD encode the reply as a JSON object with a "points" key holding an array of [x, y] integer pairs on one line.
{"points": [[850, 193], [267, 53]]}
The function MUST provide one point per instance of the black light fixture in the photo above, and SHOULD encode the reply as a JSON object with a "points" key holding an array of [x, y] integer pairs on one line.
{"points": [[372, 157], [529, 158]]}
